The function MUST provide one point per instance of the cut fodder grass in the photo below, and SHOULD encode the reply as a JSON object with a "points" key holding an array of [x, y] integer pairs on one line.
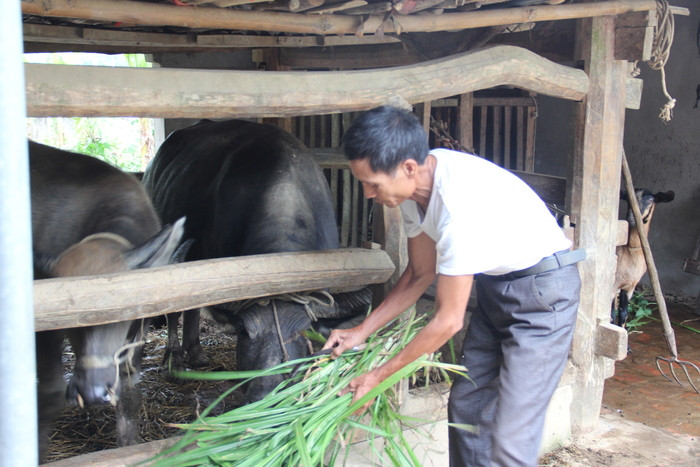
{"points": [[304, 421]]}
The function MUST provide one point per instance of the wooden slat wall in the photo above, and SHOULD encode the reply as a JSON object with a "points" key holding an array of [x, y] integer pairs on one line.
{"points": [[352, 210], [506, 131], [501, 129]]}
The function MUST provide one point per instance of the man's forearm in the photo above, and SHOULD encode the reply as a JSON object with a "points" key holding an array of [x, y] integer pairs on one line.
{"points": [[435, 334], [405, 293]]}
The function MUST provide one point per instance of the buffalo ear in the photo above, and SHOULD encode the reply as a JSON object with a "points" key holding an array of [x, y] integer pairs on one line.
{"points": [[181, 252], [662, 197], [159, 249], [43, 264]]}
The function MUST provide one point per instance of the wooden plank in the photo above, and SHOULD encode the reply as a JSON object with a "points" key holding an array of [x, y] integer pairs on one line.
{"points": [[345, 210], [388, 232], [365, 218], [497, 155], [86, 301], [520, 137], [151, 14], [622, 232], [550, 188], [530, 137], [65, 90], [483, 113], [633, 93], [465, 134], [450, 102], [611, 341], [423, 110], [507, 119], [355, 213], [634, 35], [50, 38], [118, 457], [595, 201], [505, 101]]}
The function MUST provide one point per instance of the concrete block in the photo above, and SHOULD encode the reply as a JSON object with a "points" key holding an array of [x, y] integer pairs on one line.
{"points": [[557, 425]]}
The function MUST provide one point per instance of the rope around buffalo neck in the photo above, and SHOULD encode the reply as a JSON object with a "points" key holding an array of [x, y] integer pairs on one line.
{"points": [[305, 299]]}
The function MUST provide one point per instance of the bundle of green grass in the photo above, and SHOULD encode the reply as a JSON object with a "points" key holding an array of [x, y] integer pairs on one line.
{"points": [[304, 422]]}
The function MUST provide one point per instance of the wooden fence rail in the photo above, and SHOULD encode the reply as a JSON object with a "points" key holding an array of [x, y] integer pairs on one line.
{"points": [[87, 301]]}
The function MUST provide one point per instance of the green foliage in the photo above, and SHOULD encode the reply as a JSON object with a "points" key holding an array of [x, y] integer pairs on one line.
{"points": [[639, 310], [126, 143]]}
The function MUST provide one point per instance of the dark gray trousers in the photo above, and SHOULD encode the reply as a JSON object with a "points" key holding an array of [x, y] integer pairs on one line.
{"points": [[515, 350]]}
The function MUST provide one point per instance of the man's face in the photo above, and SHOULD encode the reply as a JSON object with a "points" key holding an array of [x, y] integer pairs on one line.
{"points": [[388, 189]]}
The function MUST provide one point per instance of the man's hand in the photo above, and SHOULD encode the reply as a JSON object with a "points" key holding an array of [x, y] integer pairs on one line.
{"points": [[361, 386], [341, 340]]}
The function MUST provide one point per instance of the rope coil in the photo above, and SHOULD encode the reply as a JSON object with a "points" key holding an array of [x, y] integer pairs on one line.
{"points": [[661, 50]]}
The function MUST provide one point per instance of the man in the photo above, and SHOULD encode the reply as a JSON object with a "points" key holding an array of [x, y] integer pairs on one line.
{"points": [[478, 223]]}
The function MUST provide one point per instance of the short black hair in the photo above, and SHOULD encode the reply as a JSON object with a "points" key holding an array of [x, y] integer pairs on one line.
{"points": [[386, 136]]}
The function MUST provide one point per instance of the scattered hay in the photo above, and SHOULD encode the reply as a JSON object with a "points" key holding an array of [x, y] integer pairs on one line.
{"points": [[165, 401]]}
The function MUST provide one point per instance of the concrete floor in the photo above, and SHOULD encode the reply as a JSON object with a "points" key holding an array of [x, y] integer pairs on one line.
{"points": [[645, 420], [616, 442]]}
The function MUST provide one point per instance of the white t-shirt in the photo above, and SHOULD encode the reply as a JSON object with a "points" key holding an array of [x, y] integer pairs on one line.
{"points": [[483, 218]]}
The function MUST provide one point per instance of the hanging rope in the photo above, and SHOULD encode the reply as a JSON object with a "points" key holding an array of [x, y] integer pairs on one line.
{"points": [[285, 354], [661, 50]]}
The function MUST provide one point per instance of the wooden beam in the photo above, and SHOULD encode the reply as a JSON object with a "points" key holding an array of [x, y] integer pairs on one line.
{"points": [[151, 14], [86, 301], [118, 457], [79, 91]]}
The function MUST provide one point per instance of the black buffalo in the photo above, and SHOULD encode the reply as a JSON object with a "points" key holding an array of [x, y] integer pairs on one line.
{"points": [[90, 218], [247, 188]]}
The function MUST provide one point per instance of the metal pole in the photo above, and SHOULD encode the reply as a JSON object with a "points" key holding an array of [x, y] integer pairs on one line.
{"points": [[18, 405]]}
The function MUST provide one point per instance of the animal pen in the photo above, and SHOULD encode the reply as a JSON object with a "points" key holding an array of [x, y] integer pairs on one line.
{"points": [[463, 66]]}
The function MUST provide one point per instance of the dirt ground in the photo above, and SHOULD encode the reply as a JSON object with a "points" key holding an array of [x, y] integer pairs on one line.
{"points": [[636, 393], [640, 395]]}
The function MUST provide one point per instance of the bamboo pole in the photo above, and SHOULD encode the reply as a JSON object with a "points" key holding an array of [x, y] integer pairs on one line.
{"points": [[150, 14], [651, 265]]}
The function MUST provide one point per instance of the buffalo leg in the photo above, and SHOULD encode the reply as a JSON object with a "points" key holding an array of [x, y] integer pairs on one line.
{"points": [[128, 413], [190, 339], [173, 357], [51, 388]]}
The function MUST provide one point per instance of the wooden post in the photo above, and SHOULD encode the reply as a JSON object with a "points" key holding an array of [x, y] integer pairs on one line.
{"points": [[423, 112], [388, 232], [497, 154], [466, 121], [530, 136], [595, 199]]}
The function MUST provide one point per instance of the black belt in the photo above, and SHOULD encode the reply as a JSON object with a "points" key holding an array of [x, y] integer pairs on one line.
{"points": [[550, 263]]}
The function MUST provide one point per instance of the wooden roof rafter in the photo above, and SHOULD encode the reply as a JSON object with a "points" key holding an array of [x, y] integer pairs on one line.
{"points": [[148, 14]]}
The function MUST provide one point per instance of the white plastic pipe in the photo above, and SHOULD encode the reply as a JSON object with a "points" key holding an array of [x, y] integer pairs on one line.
{"points": [[18, 405]]}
